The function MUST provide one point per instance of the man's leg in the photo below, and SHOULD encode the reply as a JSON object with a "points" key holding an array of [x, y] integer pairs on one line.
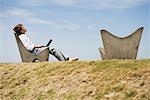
{"points": [[58, 54]]}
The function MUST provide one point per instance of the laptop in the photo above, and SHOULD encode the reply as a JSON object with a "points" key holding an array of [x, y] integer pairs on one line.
{"points": [[49, 42]]}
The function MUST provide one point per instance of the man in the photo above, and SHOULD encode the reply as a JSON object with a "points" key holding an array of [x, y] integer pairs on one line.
{"points": [[21, 32]]}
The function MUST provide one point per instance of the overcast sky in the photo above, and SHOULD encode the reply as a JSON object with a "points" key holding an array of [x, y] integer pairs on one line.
{"points": [[74, 25]]}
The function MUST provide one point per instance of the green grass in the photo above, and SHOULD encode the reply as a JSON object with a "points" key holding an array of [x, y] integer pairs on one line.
{"points": [[81, 80]]}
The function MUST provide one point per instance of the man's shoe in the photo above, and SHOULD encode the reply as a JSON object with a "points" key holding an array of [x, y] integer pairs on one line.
{"points": [[73, 59]]}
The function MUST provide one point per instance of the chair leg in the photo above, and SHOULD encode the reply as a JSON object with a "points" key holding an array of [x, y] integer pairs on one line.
{"points": [[102, 52]]}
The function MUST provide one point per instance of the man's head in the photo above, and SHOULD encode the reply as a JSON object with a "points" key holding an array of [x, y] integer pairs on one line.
{"points": [[20, 29]]}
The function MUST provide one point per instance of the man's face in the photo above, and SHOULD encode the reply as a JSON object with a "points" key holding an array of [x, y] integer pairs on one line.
{"points": [[23, 29]]}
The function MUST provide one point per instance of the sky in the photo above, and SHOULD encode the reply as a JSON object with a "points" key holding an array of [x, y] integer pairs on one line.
{"points": [[73, 25]]}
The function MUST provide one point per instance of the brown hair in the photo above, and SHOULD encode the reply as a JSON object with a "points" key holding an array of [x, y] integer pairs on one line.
{"points": [[18, 28]]}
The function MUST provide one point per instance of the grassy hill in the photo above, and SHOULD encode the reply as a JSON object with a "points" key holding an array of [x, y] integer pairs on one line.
{"points": [[81, 80]]}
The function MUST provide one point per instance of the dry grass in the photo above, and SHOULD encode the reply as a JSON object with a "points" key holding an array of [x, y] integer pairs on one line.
{"points": [[82, 80]]}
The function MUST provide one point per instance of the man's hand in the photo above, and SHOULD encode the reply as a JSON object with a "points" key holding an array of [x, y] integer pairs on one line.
{"points": [[38, 46]]}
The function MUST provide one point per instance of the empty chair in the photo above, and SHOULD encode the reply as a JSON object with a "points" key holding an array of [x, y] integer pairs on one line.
{"points": [[118, 47], [27, 56]]}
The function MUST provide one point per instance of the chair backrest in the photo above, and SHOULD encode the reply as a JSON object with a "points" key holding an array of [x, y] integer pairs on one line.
{"points": [[27, 56], [121, 48]]}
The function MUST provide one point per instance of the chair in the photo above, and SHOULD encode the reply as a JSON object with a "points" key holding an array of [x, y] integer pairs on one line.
{"points": [[118, 47], [27, 56], [102, 52]]}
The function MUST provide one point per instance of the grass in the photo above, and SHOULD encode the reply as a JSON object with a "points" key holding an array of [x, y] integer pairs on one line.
{"points": [[81, 80]]}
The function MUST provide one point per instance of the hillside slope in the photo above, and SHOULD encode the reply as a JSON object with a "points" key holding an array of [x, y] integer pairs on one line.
{"points": [[81, 80]]}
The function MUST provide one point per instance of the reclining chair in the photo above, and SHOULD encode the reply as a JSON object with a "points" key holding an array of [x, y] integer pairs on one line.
{"points": [[27, 56], [118, 47]]}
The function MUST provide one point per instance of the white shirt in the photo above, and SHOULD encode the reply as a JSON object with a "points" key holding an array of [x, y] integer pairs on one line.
{"points": [[26, 42]]}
